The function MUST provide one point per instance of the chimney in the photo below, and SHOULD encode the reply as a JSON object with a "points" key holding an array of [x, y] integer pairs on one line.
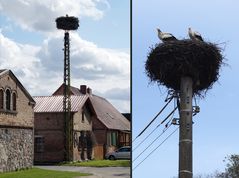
{"points": [[83, 89], [89, 91]]}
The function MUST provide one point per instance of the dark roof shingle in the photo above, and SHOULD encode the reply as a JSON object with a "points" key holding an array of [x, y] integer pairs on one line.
{"points": [[108, 114]]}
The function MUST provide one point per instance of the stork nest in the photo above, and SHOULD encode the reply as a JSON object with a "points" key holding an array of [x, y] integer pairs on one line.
{"points": [[168, 62], [67, 23]]}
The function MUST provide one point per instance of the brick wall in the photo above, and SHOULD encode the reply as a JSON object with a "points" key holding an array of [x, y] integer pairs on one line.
{"points": [[50, 127], [16, 131], [24, 112], [82, 122]]}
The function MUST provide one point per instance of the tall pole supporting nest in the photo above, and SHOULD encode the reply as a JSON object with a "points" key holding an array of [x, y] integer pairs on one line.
{"points": [[67, 100], [67, 23], [185, 133]]}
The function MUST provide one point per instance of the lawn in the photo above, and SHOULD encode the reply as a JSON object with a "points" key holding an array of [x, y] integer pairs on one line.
{"points": [[101, 163], [41, 173]]}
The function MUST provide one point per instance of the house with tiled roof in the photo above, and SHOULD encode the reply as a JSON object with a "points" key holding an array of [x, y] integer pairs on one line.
{"points": [[97, 126], [110, 127], [16, 123]]}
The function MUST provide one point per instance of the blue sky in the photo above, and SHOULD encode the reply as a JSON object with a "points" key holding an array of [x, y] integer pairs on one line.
{"points": [[215, 129], [31, 46]]}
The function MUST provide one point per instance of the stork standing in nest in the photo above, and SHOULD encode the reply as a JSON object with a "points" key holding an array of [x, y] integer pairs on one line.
{"points": [[165, 37], [194, 35]]}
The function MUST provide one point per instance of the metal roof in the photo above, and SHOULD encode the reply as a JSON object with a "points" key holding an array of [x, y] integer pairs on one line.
{"points": [[55, 103], [104, 110]]}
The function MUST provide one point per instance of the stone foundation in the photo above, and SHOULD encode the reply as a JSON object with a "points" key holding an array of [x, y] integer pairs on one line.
{"points": [[16, 149]]}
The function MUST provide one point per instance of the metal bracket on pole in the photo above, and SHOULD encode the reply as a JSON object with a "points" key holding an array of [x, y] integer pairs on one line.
{"points": [[196, 109], [175, 121]]}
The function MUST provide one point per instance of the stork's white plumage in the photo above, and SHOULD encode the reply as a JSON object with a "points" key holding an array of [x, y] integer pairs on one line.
{"points": [[165, 37], [194, 35]]}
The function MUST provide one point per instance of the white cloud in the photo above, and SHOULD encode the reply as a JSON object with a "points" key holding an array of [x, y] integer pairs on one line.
{"points": [[106, 71], [19, 57], [119, 97], [40, 68], [39, 15], [88, 61]]}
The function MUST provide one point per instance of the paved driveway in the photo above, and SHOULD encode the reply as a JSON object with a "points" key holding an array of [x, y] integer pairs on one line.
{"points": [[105, 172]]}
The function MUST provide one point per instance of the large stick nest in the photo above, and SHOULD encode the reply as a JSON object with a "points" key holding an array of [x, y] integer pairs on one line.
{"points": [[67, 23], [168, 62]]}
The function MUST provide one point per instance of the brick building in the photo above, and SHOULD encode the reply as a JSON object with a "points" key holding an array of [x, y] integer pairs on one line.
{"points": [[111, 129], [16, 123], [97, 127], [49, 127]]}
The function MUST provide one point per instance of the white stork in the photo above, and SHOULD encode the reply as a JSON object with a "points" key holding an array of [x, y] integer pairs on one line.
{"points": [[165, 37], [194, 35]]}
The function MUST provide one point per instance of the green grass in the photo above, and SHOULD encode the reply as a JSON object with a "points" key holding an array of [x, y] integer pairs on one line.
{"points": [[41, 173], [101, 163]]}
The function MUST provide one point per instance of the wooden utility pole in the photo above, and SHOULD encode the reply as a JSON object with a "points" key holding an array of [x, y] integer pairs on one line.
{"points": [[185, 135]]}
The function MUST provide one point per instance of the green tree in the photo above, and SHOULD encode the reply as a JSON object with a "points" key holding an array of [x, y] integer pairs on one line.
{"points": [[231, 170], [232, 167]]}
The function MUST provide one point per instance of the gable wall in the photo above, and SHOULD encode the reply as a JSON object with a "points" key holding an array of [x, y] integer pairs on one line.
{"points": [[23, 116]]}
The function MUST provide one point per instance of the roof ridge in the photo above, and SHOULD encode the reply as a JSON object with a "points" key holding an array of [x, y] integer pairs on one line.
{"points": [[13, 76], [100, 97]]}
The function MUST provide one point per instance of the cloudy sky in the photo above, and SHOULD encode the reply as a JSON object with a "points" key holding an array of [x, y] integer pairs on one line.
{"points": [[215, 128], [31, 46]]}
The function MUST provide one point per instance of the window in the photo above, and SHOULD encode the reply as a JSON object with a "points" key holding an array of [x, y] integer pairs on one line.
{"points": [[39, 144], [8, 99], [82, 116], [112, 138], [1, 99], [14, 100], [124, 139]]}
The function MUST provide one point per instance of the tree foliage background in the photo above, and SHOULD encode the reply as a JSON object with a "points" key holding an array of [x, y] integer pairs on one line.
{"points": [[231, 170], [232, 167]]}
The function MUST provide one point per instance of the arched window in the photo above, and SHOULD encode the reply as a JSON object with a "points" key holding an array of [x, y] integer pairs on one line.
{"points": [[14, 100], [8, 99], [1, 99]]}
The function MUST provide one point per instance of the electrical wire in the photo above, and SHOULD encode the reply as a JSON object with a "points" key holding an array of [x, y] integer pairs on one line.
{"points": [[153, 119], [156, 148], [171, 113], [175, 105], [164, 130]]}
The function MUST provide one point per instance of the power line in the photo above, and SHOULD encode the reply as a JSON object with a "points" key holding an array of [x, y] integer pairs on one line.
{"points": [[154, 118], [156, 128], [156, 148], [165, 129], [175, 105]]}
